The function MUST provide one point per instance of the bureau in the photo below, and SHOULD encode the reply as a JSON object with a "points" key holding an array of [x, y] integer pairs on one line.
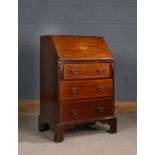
{"points": [[76, 83]]}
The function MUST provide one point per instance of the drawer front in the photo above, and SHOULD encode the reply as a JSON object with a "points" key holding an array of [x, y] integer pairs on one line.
{"points": [[85, 89], [87, 109], [88, 70]]}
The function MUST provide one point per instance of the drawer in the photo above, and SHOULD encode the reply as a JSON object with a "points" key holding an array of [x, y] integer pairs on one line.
{"points": [[86, 70], [85, 89], [87, 109]]}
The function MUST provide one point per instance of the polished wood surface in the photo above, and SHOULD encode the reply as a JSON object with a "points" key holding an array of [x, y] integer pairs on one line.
{"points": [[81, 48], [87, 109], [28, 106], [86, 70], [85, 89], [80, 71], [48, 71]]}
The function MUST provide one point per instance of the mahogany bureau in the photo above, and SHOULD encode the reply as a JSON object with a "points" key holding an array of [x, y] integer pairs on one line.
{"points": [[76, 83]]}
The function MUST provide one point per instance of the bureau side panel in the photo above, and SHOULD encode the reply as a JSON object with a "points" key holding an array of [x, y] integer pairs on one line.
{"points": [[48, 80]]}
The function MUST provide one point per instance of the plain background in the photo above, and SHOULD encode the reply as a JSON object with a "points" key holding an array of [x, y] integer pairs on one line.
{"points": [[116, 20]]}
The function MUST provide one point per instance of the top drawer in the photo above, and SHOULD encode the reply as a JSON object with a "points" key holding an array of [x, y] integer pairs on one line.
{"points": [[86, 70]]}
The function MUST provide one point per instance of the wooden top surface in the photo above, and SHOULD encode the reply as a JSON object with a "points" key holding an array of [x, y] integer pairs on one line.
{"points": [[81, 48]]}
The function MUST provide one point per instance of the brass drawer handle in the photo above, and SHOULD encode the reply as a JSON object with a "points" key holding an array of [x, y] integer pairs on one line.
{"points": [[74, 71], [75, 112], [100, 70], [100, 109], [100, 88], [74, 90]]}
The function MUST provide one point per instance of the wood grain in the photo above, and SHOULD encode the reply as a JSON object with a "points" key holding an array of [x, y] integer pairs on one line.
{"points": [[57, 51], [85, 89], [34, 106], [48, 80], [81, 48], [72, 111], [86, 70]]}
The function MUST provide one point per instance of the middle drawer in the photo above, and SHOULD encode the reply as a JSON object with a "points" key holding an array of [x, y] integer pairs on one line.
{"points": [[85, 89]]}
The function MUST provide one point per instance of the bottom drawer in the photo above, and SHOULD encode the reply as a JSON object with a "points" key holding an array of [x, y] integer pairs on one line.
{"points": [[78, 110]]}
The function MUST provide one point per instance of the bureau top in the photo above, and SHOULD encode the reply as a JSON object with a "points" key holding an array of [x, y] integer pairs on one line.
{"points": [[81, 48]]}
